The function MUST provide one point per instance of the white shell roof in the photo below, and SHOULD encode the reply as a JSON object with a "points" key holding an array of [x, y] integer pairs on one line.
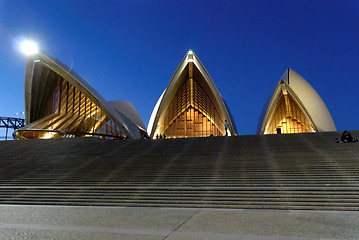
{"points": [[127, 109], [314, 104], [154, 113], [173, 85], [309, 98], [67, 73]]}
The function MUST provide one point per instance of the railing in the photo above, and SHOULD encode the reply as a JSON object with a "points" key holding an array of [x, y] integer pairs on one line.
{"points": [[64, 134]]}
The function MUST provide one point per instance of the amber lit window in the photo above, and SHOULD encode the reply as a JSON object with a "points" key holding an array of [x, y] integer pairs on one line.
{"points": [[191, 112], [67, 111], [288, 116]]}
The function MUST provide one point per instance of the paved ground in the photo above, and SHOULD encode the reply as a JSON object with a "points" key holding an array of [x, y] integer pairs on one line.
{"points": [[54, 222]]}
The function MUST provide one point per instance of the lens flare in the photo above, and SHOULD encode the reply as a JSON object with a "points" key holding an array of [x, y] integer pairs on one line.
{"points": [[29, 47]]}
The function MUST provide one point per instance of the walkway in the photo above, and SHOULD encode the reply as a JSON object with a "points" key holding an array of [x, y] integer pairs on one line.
{"points": [[55, 222]]}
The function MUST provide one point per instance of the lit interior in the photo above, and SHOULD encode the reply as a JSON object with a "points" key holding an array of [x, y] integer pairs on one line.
{"points": [[192, 112], [59, 109], [288, 116]]}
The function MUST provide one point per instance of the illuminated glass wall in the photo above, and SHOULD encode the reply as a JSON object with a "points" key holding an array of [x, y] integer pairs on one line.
{"points": [[67, 111], [288, 116], [191, 112]]}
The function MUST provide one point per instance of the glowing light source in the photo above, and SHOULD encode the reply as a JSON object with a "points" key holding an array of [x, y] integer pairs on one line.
{"points": [[29, 47], [48, 135]]}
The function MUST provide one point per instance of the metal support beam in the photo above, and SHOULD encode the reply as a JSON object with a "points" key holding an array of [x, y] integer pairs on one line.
{"points": [[11, 122]]}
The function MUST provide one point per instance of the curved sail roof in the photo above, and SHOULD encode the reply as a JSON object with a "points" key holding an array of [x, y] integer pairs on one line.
{"points": [[42, 70], [180, 76], [306, 98], [129, 111]]}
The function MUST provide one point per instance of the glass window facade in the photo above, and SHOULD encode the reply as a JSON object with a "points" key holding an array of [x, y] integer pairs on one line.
{"points": [[66, 111], [191, 112], [288, 116]]}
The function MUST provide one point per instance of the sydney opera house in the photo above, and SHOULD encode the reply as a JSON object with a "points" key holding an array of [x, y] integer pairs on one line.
{"points": [[191, 105], [294, 107], [59, 103]]}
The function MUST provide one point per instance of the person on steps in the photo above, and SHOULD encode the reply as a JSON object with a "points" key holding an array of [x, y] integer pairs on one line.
{"points": [[226, 125], [346, 137]]}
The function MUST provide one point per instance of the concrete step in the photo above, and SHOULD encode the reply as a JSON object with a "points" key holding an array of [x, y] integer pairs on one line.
{"points": [[298, 171], [197, 204]]}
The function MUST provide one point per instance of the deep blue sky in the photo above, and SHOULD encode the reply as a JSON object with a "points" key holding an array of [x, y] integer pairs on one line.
{"points": [[129, 50]]}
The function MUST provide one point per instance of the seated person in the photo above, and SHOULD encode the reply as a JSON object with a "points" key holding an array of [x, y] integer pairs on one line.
{"points": [[347, 137]]}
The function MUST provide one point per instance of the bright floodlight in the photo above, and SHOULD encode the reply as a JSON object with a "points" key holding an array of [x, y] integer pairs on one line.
{"points": [[29, 47]]}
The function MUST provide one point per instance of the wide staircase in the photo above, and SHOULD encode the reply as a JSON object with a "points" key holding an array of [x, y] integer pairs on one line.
{"points": [[296, 171]]}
